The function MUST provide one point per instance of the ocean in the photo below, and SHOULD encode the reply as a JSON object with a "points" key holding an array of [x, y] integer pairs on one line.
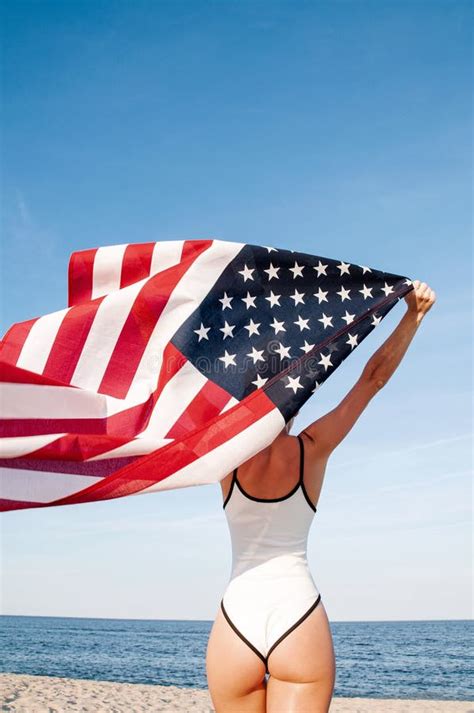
{"points": [[409, 659]]}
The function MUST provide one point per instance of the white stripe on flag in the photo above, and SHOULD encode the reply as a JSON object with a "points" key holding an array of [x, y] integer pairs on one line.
{"points": [[165, 255], [107, 269], [18, 446], [40, 487], [229, 404], [37, 400], [40, 339]]}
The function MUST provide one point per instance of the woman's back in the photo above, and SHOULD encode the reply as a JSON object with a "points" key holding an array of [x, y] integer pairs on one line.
{"points": [[263, 529], [271, 589]]}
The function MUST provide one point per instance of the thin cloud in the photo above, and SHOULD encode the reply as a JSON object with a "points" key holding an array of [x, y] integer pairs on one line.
{"points": [[402, 451], [406, 486]]}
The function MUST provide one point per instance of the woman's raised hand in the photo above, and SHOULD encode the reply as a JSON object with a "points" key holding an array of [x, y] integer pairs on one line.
{"points": [[420, 299]]}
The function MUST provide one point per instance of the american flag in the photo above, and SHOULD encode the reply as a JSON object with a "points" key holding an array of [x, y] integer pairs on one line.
{"points": [[173, 363]]}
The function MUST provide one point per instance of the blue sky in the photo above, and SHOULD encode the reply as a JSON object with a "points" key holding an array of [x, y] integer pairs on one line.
{"points": [[336, 128]]}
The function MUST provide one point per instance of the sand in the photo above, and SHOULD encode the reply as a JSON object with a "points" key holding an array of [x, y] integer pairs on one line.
{"points": [[38, 694]]}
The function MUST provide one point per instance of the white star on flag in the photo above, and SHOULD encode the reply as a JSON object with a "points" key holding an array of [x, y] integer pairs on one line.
{"points": [[272, 271], [348, 318], [249, 300], [256, 355], [321, 269], [273, 299], [352, 340], [327, 321], [321, 295], [259, 381], [282, 350], [226, 301], [325, 361], [297, 297], [293, 383], [228, 359], [344, 294], [252, 327], [227, 330], [277, 326], [306, 347], [344, 267], [246, 273], [297, 270], [302, 323], [202, 332]]}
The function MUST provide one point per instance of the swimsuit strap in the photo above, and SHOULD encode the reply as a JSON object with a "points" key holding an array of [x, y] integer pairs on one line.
{"points": [[232, 483], [301, 482], [301, 459]]}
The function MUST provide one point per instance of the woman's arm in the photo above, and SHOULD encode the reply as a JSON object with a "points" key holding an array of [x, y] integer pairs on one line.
{"points": [[386, 359], [329, 430]]}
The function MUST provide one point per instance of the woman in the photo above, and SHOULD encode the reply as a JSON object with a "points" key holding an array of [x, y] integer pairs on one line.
{"points": [[271, 619]]}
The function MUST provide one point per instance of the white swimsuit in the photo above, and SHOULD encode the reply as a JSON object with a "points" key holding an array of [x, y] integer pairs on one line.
{"points": [[271, 590]]}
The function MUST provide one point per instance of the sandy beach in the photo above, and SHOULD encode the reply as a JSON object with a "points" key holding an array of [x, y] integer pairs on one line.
{"points": [[35, 694]]}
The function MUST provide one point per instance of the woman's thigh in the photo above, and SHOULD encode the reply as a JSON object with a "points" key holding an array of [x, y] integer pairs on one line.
{"points": [[302, 667], [235, 674]]}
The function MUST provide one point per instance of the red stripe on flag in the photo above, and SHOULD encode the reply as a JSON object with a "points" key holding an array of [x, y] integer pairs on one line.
{"points": [[141, 321], [100, 468], [136, 263], [11, 374], [207, 403], [14, 339], [69, 341], [173, 360], [14, 427], [80, 276], [77, 448], [6, 505]]}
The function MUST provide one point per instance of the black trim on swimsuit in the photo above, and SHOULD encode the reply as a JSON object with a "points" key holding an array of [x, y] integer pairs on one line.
{"points": [[275, 644], [246, 641], [282, 497], [267, 500], [234, 479], [303, 486], [293, 627]]}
